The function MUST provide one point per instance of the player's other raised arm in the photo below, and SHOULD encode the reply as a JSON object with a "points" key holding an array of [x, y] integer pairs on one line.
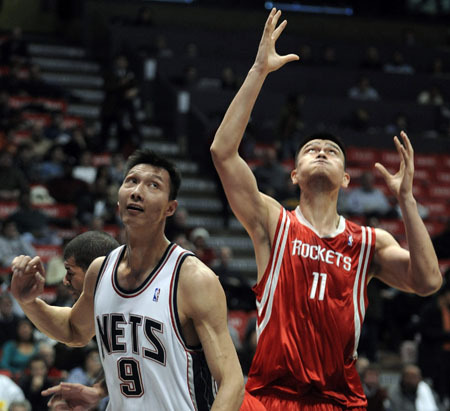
{"points": [[236, 176]]}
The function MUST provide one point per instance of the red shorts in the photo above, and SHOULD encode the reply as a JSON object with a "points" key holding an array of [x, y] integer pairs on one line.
{"points": [[272, 403]]}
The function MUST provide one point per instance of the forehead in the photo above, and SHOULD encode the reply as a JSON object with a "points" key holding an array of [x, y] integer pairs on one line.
{"points": [[71, 263], [148, 171], [321, 142]]}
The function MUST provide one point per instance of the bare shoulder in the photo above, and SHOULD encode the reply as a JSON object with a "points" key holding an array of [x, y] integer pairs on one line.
{"points": [[198, 285], [92, 274], [384, 239]]}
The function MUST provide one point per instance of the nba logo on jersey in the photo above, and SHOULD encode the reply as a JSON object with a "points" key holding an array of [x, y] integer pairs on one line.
{"points": [[350, 241], [156, 295]]}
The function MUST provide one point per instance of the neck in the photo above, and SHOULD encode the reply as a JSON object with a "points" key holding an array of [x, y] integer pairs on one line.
{"points": [[320, 210], [143, 252]]}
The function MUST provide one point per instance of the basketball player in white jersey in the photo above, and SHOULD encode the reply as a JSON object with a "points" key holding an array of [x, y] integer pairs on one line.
{"points": [[158, 312], [313, 265]]}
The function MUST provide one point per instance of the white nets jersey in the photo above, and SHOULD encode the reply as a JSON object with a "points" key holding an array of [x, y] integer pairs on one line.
{"points": [[147, 363]]}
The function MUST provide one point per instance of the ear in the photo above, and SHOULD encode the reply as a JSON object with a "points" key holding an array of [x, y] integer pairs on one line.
{"points": [[171, 208], [294, 176], [345, 180]]}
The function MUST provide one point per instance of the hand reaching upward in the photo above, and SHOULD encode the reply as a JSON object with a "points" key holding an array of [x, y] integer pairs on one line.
{"points": [[267, 58], [401, 182]]}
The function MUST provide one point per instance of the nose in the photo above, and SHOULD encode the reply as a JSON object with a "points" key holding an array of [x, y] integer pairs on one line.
{"points": [[136, 193], [66, 281], [322, 152]]}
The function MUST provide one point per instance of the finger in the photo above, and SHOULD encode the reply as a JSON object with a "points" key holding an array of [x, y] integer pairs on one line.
{"points": [[275, 19], [22, 262], [279, 30], [407, 142], [405, 158], [289, 57], [52, 390], [382, 169], [269, 19]]}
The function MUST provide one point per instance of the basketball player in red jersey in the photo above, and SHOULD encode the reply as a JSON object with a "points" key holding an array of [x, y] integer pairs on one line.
{"points": [[313, 265]]}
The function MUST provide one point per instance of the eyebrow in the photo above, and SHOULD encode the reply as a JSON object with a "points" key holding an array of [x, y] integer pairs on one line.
{"points": [[328, 144]]}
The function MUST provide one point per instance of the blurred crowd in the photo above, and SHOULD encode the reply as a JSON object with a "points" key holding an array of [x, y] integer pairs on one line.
{"points": [[59, 176]]}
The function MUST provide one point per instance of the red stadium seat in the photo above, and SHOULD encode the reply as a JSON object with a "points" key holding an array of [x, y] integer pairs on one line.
{"points": [[64, 211], [7, 207], [426, 160], [362, 156], [443, 177], [390, 158], [394, 226], [441, 192]]}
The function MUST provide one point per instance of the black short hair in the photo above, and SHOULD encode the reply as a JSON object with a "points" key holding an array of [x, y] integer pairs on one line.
{"points": [[86, 247], [154, 159], [323, 136]]}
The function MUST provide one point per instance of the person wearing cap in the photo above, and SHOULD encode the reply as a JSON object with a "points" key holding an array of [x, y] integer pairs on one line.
{"points": [[313, 265]]}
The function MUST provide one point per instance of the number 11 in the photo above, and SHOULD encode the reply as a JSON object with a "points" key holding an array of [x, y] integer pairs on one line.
{"points": [[323, 282]]}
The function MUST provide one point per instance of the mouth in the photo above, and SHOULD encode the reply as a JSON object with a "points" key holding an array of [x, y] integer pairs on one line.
{"points": [[134, 207]]}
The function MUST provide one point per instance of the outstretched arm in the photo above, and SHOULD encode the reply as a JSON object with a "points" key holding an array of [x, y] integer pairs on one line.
{"points": [[76, 397], [239, 183], [72, 326], [416, 270]]}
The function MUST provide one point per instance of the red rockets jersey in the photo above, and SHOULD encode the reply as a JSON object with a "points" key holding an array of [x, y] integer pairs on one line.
{"points": [[311, 303]]}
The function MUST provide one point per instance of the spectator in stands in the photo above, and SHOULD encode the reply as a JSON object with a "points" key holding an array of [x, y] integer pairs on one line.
{"points": [[18, 351], [270, 174], [363, 91], [177, 224], [398, 65], [85, 170], [41, 144], [37, 86], [228, 79], [116, 168], [25, 160], [66, 188], [412, 393], [290, 124], [56, 131], [10, 392], [305, 51], [8, 319], [438, 68], [144, 17], [434, 347], [36, 381], [48, 353], [12, 180], [399, 122], [88, 373], [377, 396], [20, 406], [12, 244], [120, 92], [100, 201], [367, 200], [371, 60], [32, 223], [7, 113], [188, 77], [329, 56], [205, 253], [431, 96], [14, 48], [359, 120], [53, 164], [14, 82]]}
